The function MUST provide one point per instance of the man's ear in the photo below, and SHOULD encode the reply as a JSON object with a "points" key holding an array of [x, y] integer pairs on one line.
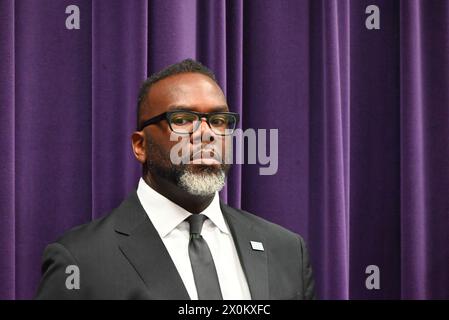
{"points": [[138, 144]]}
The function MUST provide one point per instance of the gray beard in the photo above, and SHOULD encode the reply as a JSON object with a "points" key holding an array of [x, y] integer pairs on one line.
{"points": [[195, 179], [202, 184]]}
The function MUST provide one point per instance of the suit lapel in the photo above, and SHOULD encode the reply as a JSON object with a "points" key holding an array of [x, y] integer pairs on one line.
{"points": [[254, 262], [143, 247]]}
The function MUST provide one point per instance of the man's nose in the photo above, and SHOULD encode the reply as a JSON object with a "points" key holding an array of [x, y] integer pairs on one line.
{"points": [[204, 132]]}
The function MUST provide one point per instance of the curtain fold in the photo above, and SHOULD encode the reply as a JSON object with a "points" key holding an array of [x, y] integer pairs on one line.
{"points": [[424, 149], [7, 157], [374, 228], [329, 161], [362, 118], [119, 65], [52, 133]]}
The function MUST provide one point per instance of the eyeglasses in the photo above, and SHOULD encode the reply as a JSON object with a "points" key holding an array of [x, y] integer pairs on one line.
{"points": [[187, 122]]}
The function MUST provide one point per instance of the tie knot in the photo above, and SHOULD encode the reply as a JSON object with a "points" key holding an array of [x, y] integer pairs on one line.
{"points": [[196, 223]]}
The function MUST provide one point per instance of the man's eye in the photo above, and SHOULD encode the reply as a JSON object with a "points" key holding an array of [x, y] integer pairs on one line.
{"points": [[218, 121], [181, 121], [178, 121]]}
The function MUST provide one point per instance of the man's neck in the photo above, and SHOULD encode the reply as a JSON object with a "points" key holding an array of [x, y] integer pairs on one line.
{"points": [[192, 203]]}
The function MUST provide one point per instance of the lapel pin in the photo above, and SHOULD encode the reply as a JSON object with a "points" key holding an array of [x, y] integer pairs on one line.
{"points": [[257, 245]]}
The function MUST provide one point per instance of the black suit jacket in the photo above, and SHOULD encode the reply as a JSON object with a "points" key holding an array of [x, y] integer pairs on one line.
{"points": [[121, 256]]}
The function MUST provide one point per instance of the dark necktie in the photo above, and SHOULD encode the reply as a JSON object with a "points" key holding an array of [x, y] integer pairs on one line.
{"points": [[203, 267]]}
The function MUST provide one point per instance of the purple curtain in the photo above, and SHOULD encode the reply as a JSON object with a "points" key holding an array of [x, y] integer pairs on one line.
{"points": [[363, 120]]}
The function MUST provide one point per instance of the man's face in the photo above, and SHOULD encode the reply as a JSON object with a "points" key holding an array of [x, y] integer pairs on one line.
{"points": [[186, 91]]}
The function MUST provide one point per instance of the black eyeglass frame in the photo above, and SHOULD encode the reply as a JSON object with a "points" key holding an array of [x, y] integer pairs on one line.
{"points": [[167, 116]]}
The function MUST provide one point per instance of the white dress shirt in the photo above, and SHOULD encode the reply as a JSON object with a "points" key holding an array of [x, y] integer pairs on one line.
{"points": [[169, 220]]}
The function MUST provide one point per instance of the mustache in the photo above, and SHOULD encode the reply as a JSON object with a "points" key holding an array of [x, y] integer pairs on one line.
{"points": [[209, 152]]}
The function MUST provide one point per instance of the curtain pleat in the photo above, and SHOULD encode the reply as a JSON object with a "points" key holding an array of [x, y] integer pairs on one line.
{"points": [[424, 149], [119, 65], [7, 155]]}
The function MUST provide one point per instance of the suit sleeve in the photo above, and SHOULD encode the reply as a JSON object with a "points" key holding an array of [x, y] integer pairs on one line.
{"points": [[307, 274], [55, 260]]}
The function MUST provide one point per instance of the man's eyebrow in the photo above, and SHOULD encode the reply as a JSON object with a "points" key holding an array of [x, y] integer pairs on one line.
{"points": [[192, 108]]}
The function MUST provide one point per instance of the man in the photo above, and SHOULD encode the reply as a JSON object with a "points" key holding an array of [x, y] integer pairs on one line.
{"points": [[173, 238]]}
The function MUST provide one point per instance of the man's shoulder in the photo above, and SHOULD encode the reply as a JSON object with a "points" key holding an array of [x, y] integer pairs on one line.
{"points": [[89, 234], [98, 231]]}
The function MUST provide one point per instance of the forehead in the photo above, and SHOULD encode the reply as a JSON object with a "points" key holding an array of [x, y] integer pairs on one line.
{"points": [[193, 90]]}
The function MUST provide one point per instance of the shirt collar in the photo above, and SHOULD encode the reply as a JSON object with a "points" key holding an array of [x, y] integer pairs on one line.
{"points": [[167, 215]]}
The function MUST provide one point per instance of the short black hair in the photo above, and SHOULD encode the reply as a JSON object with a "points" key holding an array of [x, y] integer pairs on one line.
{"points": [[184, 66]]}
